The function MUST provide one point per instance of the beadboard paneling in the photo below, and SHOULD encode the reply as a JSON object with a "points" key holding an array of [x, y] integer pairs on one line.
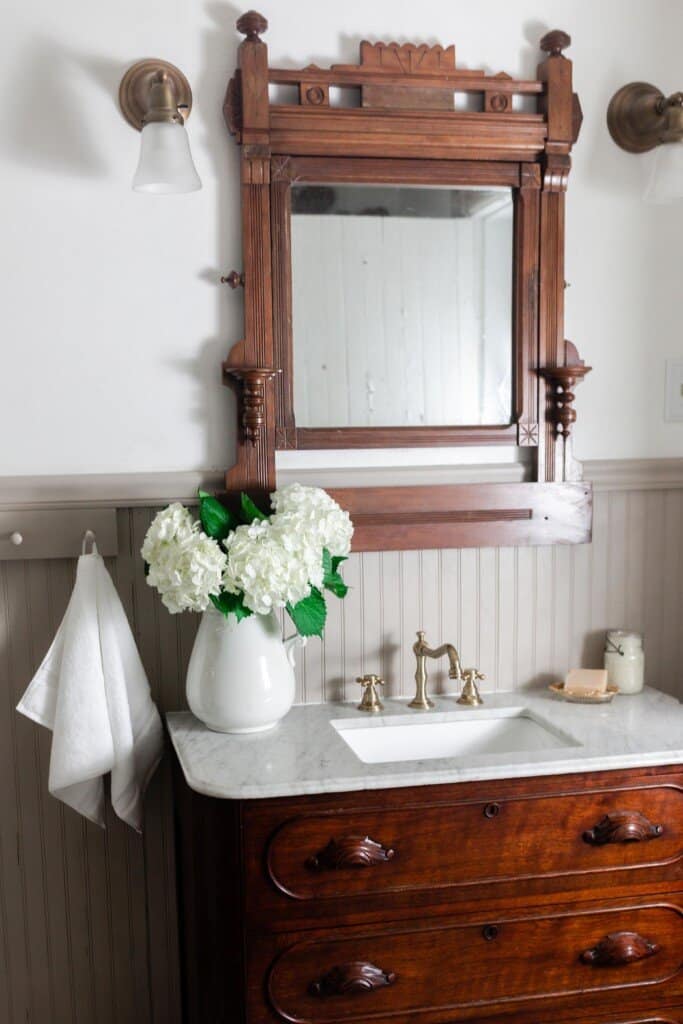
{"points": [[521, 614], [88, 931]]}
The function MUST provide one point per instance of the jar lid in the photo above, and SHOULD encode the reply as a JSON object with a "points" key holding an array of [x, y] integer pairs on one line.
{"points": [[623, 637]]}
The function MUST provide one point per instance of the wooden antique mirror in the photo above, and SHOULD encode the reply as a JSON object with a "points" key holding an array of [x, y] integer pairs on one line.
{"points": [[403, 239]]}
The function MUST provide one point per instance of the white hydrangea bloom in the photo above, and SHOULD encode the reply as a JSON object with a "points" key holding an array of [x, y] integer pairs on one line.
{"points": [[266, 566], [298, 543], [317, 516], [172, 525], [271, 562], [185, 565]]}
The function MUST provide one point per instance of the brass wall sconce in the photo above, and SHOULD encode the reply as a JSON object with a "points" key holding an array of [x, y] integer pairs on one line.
{"points": [[156, 99], [641, 118]]}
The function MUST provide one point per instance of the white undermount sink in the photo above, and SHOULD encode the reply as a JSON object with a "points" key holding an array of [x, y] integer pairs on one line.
{"points": [[461, 734]]}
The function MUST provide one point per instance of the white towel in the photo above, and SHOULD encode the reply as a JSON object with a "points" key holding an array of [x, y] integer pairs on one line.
{"points": [[92, 692]]}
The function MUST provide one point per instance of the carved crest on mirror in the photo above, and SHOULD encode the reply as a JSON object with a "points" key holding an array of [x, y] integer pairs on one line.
{"points": [[380, 202]]}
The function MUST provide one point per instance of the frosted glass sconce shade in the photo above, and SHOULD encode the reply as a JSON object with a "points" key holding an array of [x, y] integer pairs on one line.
{"points": [[641, 118], [156, 98], [165, 165], [666, 177]]}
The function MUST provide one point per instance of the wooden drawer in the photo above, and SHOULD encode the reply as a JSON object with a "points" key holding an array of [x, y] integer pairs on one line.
{"points": [[357, 855], [589, 959], [670, 1015]]}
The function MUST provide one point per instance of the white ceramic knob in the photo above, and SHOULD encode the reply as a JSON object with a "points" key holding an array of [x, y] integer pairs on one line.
{"points": [[16, 539]]}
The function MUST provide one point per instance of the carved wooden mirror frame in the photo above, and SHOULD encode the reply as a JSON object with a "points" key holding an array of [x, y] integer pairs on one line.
{"points": [[406, 130]]}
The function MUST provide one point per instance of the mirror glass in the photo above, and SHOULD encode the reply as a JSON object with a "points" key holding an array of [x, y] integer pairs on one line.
{"points": [[402, 305]]}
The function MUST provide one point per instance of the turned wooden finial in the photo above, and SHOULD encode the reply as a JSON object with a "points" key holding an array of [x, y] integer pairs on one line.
{"points": [[251, 25], [555, 42]]}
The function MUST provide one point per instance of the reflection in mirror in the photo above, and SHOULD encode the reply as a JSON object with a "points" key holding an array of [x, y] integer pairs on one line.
{"points": [[402, 306]]}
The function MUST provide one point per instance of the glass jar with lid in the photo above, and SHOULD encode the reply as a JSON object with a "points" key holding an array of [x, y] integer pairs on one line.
{"points": [[625, 660]]}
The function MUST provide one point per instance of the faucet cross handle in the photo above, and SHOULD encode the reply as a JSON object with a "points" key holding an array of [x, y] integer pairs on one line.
{"points": [[470, 693], [370, 700]]}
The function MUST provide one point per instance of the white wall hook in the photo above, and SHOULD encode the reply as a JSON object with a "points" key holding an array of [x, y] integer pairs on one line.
{"points": [[89, 539]]}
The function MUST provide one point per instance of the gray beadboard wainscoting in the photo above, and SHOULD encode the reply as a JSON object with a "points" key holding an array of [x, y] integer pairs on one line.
{"points": [[87, 918]]}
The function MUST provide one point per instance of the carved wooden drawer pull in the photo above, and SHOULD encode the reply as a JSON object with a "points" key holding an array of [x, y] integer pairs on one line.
{"points": [[350, 978], [622, 827], [619, 949], [350, 852]]}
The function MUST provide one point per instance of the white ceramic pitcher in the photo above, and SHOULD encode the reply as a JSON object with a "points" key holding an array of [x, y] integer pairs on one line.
{"points": [[241, 674]]}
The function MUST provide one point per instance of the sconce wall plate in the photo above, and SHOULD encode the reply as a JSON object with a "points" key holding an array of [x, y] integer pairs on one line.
{"points": [[641, 118], [636, 117], [135, 88]]}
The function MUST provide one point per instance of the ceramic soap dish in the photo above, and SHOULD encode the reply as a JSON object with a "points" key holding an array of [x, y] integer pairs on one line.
{"points": [[587, 697]]}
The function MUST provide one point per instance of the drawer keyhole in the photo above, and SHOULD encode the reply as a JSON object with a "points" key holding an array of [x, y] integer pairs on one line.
{"points": [[492, 810], [490, 932]]}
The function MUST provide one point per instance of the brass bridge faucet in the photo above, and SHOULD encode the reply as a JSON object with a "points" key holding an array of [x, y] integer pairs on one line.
{"points": [[469, 695]]}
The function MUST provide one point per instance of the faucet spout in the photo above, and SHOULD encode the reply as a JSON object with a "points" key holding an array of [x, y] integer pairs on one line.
{"points": [[422, 651], [455, 670]]}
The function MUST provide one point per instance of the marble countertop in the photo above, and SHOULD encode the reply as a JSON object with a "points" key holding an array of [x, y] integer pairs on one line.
{"points": [[306, 754]]}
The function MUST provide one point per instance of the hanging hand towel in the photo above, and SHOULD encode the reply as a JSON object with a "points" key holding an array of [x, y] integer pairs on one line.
{"points": [[92, 692]]}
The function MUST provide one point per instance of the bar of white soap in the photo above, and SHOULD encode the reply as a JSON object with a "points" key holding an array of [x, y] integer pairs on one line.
{"points": [[586, 680]]}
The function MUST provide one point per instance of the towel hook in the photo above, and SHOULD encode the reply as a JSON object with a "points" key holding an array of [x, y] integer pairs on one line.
{"points": [[89, 538]]}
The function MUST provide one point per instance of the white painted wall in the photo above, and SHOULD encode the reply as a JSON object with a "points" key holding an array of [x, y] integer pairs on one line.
{"points": [[113, 326]]}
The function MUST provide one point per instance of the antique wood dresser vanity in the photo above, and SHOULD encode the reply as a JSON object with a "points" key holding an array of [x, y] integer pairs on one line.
{"points": [[536, 899]]}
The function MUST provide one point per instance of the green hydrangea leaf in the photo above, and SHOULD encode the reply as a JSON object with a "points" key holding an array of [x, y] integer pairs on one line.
{"points": [[217, 521], [250, 511], [231, 603], [337, 587], [309, 614], [332, 579]]}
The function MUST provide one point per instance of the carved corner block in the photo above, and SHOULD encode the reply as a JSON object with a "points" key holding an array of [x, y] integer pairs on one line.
{"points": [[527, 435], [530, 176], [285, 438], [281, 168]]}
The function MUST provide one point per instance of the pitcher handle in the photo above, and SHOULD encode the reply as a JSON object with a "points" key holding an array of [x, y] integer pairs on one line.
{"points": [[291, 643]]}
